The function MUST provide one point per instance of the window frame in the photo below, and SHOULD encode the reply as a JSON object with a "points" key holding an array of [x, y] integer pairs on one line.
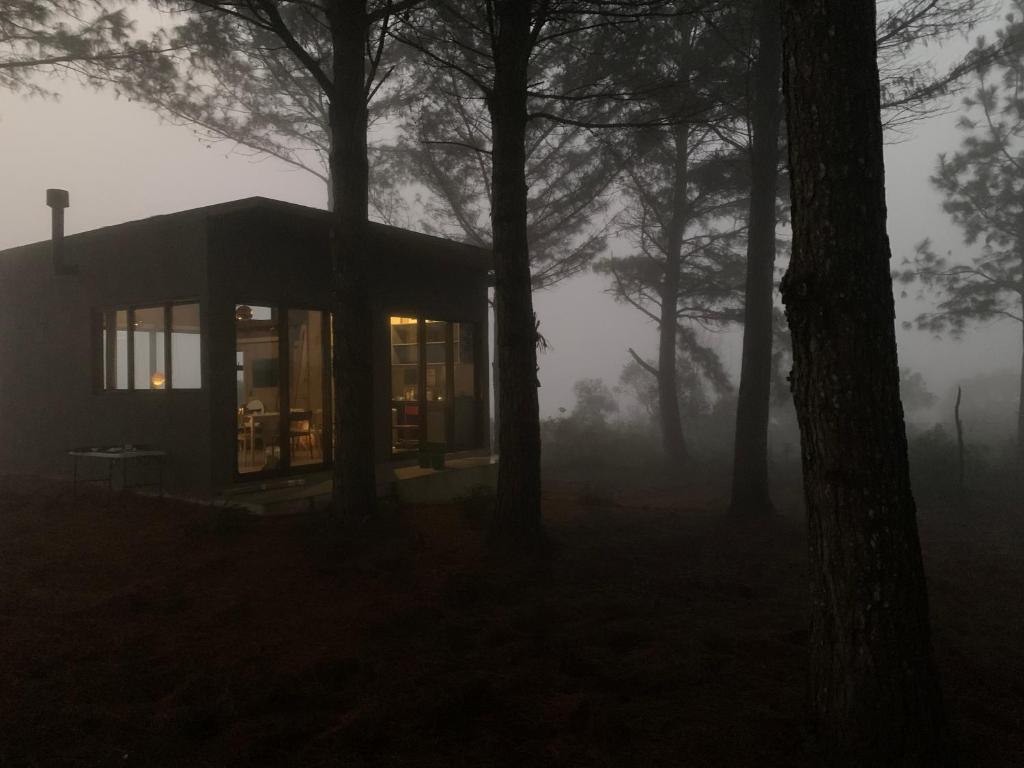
{"points": [[100, 353], [285, 467], [421, 316]]}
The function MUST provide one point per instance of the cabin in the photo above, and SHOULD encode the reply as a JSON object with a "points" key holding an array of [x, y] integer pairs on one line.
{"points": [[207, 334]]}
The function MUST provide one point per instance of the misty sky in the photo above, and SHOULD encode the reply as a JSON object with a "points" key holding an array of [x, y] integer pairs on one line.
{"points": [[121, 162]]}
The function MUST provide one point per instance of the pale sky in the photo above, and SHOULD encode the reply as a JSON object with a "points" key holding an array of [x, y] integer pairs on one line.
{"points": [[121, 162]]}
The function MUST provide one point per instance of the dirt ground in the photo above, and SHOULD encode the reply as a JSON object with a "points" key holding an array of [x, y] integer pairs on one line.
{"points": [[140, 632]]}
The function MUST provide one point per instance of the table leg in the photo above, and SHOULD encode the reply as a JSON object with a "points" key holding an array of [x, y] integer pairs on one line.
{"points": [[74, 481]]}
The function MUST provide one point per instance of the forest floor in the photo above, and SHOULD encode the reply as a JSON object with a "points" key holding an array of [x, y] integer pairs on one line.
{"points": [[141, 632]]}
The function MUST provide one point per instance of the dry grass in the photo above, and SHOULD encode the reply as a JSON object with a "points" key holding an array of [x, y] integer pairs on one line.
{"points": [[149, 633]]}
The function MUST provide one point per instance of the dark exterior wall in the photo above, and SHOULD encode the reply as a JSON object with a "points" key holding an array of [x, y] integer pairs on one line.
{"points": [[50, 395], [263, 256], [279, 256], [435, 290], [253, 251]]}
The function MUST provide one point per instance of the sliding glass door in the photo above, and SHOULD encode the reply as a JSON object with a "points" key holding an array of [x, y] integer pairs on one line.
{"points": [[434, 397], [436, 372], [306, 354], [405, 384], [281, 376], [258, 388], [284, 395]]}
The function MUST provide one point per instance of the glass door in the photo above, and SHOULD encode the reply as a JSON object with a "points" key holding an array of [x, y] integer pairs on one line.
{"points": [[258, 389], [436, 381], [405, 384], [306, 381]]}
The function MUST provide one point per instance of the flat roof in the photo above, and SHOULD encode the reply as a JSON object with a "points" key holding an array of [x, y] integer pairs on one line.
{"points": [[471, 255]]}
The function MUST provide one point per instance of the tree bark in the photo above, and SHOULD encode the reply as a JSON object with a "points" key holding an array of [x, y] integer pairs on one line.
{"points": [[354, 466], [750, 494], [516, 522], [874, 692], [672, 440]]}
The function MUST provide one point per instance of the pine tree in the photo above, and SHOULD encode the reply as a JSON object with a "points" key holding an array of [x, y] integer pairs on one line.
{"points": [[874, 691], [983, 186], [91, 39]]}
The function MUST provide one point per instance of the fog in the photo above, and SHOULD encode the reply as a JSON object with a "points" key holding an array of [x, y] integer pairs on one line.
{"points": [[121, 162], [214, 552]]}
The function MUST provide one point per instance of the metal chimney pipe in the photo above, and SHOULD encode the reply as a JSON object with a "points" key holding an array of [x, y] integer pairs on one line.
{"points": [[57, 199]]}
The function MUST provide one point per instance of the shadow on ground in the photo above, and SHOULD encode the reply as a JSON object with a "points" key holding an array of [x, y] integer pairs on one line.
{"points": [[154, 633]]}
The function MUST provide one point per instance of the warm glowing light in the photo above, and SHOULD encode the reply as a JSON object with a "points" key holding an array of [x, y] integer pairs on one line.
{"points": [[403, 320], [157, 380]]}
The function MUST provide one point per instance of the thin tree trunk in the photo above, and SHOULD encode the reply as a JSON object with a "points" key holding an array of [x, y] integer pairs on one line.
{"points": [[517, 518], [874, 691], [959, 440], [354, 480], [750, 495], [672, 440]]}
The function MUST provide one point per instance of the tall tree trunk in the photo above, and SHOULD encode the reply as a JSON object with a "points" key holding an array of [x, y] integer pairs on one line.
{"points": [[517, 518], [874, 692], [672, 440], [750, 496], [354, 480]]}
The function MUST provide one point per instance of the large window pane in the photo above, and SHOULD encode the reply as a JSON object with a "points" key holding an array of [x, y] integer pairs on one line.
{"points": [[258, 399], [464, 386], [150, 357], [306, 386], [186, 347], [115, 349], [436, 380], [405, 383]]}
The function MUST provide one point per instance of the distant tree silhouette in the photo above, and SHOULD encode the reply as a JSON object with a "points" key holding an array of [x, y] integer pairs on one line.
{"points": [[912, 84], [750, 495], [685, 186], [92, 39], [912, 87], [914, 392], [874, 692], [445, 145], [700, 377], [983, 186], [594, 402]]}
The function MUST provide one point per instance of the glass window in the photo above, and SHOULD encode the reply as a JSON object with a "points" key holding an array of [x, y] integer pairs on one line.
{"points": [[405, 383], [145, 344], [436, 333], [306, 386], [186, 348], [259, 394], [405, 356], [433, 384], [150, 355], [115, 349]]}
